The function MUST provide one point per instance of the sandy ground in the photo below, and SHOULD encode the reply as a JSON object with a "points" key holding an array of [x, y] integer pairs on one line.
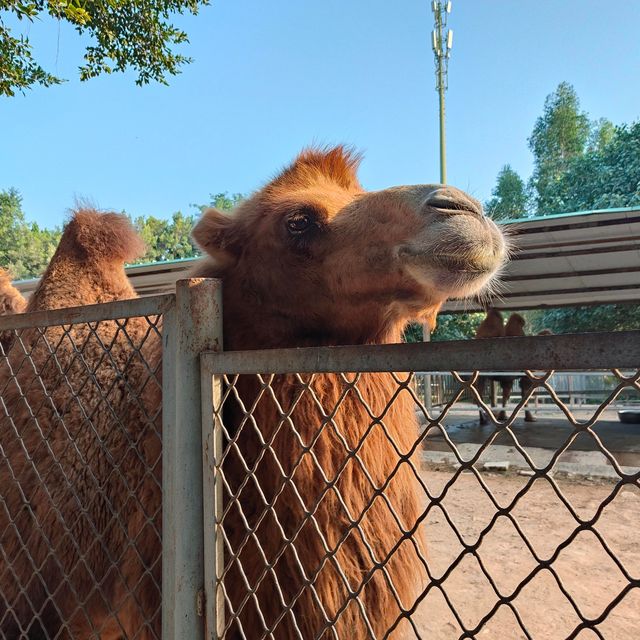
{"points": [[583, 568]]}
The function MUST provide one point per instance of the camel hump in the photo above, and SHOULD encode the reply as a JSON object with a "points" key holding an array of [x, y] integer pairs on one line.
{"points": [[101, 236]]}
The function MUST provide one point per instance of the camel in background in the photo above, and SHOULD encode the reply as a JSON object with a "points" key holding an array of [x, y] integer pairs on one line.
{"points": [[311, 259], [493, 327], [11, 301]]}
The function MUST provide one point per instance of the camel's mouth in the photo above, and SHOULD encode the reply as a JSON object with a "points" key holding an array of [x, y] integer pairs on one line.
{"points": [[458, 258]]}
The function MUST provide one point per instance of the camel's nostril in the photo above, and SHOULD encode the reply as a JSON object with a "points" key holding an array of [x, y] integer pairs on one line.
{"points": [[449, 201]]}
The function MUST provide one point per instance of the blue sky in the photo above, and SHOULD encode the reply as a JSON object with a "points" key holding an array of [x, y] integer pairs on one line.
{"points": [[271, 77]]}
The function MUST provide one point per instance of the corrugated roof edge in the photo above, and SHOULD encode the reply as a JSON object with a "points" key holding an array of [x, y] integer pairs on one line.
{"points": [[554, 216], [128, 267]]}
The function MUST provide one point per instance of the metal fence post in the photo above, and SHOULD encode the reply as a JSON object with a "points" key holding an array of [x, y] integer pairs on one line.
{"points": [[194, 326], [212, 450]]}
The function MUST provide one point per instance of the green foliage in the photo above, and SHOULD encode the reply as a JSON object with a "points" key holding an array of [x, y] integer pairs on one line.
{"points": [[510, 200], [25, 249], [607, 317], [606, 176], [167, 239], [450, 326], [559, 135], [456, 326], [602, 133], [18, 69], [221, 201], [137, 34], [412, 333], [578, 165]]}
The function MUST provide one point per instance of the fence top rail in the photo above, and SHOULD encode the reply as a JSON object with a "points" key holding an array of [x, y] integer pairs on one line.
{"points": [[121, 309], [585, 351]]}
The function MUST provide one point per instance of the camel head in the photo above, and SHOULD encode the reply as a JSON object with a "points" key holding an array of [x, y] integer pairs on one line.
{"points": [[312, 258]]}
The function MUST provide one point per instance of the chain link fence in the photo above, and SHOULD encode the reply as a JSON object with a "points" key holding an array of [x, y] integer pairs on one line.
{"points": [[331, 521], [81, 473], [100, 468], [152, 486]]}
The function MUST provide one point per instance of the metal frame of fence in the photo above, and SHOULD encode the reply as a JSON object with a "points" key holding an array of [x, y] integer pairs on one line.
{"points": [[535, 357], [194, 370]]}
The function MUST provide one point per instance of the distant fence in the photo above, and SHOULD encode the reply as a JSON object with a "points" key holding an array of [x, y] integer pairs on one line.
{"points": [[576, 388]]}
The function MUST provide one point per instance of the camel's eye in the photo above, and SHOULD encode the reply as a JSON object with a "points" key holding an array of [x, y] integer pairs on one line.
{"points": [[299, 222]]}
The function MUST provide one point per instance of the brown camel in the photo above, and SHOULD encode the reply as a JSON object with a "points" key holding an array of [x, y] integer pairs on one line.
{"points": [[310, 259], [11, 301], [79, 555], [492, 327], [314, 260]]}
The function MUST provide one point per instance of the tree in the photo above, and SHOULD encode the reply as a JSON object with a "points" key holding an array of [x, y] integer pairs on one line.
{"points": [[602, 133], [222, 201], [136, 34], [606, 317], [606, 176], [25, 248], [450, 326], [559, 136], [510, 198], [167, 239]]}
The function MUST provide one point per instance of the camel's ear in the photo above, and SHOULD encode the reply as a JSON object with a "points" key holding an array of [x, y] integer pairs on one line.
{"points": [[214, 235]]}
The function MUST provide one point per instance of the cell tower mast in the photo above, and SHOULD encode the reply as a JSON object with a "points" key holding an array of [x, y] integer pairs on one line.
{"points": [[441, 45]]}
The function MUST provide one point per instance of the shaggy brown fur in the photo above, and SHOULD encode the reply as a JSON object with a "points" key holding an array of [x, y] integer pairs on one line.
{"points": [[311, 259], [81, 459], [11, 301]]}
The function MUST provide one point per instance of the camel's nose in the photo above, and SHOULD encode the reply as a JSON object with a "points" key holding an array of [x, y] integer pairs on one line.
{"points": [[449, 200]]}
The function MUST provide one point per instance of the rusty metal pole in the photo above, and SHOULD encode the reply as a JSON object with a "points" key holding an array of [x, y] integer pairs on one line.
{"points": [[193, 327], [213, 499]]}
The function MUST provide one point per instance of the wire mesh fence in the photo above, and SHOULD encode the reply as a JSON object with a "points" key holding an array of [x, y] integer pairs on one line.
{"points": [[332, 521], [298, 493], [81, 472]]}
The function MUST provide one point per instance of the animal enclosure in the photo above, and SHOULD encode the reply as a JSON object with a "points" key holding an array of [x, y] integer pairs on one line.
{"points": [[531, 557]]}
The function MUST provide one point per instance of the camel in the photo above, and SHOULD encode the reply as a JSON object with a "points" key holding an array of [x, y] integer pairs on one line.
{"points": [[493, 327], [73, 439], [310, 259], [11, 301]]}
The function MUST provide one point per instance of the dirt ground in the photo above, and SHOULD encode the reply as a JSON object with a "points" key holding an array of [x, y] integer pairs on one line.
{"points": [[583, 569]]}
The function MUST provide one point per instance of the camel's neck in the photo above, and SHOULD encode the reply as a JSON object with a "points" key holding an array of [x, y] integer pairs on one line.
{"points": [[70, 282], [251, 336], [259, 330]]}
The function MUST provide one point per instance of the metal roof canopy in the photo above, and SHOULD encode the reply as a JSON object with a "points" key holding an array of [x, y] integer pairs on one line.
{"points": [[571, 259]]}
